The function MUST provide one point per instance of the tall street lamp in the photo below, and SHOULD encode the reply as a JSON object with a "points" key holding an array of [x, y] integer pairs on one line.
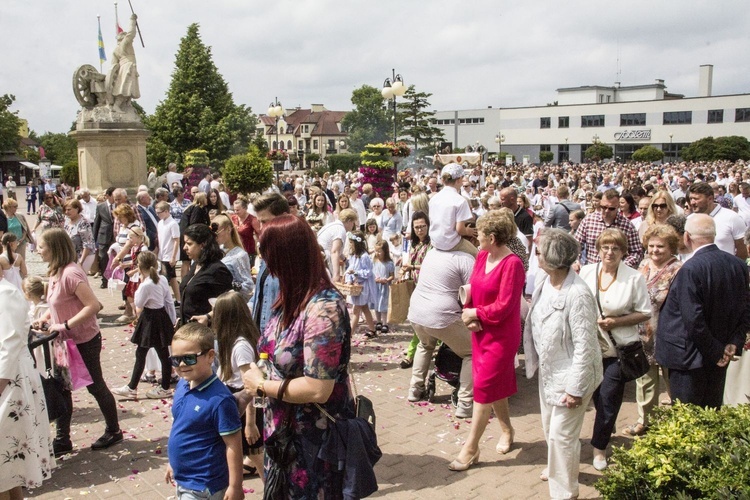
{"points": [[393, 87], [499, 140], [275, 111]]}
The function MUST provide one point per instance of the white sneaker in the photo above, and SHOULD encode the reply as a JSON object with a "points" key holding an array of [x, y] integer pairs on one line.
{"points": [[125, 391], [600, 463], [158, 393]]}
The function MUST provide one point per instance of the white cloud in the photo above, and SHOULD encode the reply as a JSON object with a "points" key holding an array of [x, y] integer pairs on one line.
{"points": [[468, 54]]}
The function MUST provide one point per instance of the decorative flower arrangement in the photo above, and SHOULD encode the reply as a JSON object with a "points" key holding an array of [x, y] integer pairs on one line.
{"points": [[398, 150], [377, 168], [277, 155]]}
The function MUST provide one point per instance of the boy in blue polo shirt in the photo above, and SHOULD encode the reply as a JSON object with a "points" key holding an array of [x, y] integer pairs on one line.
{"points": [[205, 446]]}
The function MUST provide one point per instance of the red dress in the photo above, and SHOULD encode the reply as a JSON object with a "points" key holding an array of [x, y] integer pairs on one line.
{"points": [[497, 297], [247, 232]]}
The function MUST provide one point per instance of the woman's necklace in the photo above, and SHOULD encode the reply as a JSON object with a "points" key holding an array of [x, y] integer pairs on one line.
{"points": [[604, 289]]}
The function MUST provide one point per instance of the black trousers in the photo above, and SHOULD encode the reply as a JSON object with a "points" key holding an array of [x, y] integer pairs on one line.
{"points": [[607, 401], [702, 386], [103, 252], [90, 353], [140, 364]]}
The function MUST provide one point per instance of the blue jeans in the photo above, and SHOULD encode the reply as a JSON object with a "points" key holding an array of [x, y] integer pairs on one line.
{"points": [[186, 494]]}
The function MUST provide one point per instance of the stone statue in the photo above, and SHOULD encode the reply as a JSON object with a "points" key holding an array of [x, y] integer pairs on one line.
{"points": [[122, 80], [107, 98]]}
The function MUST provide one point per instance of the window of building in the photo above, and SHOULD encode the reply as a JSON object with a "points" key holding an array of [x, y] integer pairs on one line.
{"points": [[632, 119], [563, 122], [468, 121], [592, 121], [331, 145], [300, 145], [275, 144], [563, 153], [678, 117], [545, 122], [545, 147], [715, 116], [742, 115], [315, 144], [289, 144]]}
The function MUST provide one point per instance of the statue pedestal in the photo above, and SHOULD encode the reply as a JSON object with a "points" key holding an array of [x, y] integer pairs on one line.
{"points": [[111, 154]]}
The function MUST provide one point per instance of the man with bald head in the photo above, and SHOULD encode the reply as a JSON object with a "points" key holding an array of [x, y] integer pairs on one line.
{"points": [[509, 199], [704, 319]]}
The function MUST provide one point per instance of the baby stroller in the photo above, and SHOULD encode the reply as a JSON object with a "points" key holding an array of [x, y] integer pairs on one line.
{"points": [[448, 369]]}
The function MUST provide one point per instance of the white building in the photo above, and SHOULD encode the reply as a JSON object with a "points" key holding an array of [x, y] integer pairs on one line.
{"points": [[626, 118]]}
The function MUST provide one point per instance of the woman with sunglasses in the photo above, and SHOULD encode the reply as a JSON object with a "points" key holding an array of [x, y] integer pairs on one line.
{"points": [[207, 277], [662, 206], [50, 213], [307, 342], [72, 312]]}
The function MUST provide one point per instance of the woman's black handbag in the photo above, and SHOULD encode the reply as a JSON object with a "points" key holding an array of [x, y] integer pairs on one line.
{"points": [[632, 360]]}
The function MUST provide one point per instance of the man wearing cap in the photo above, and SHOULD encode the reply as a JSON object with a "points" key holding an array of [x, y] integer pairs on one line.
{"points": [[450, 213]]}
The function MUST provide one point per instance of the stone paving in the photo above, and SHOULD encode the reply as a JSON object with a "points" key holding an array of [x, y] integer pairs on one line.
{"points": [[418, 440]]}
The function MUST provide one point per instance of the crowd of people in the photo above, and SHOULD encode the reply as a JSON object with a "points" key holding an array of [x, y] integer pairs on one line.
{"points": [[575, 262]]}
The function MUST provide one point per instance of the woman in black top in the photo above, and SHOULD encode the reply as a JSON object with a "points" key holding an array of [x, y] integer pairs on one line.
{"points": [[207, 278]]}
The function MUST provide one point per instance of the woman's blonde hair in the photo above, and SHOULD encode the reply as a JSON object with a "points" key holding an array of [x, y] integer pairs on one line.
{"points": [[200, 199], [498, 223], [147, 262], [671, 207], [60, 247], [138, 231], [223, 222], [664, 232]]}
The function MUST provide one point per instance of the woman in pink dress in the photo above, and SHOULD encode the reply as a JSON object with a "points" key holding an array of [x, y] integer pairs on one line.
{"points": [[493, 314]]}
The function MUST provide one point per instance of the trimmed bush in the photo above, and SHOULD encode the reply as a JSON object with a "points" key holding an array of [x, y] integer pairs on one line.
{"points": [[689, 452], [248, 173], [344, 162], [69, 174]]}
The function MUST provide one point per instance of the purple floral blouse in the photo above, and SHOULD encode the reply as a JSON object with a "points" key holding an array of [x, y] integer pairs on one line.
{"points": [[316, 345]]}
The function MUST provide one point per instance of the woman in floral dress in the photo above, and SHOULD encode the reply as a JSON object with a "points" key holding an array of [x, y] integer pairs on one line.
{"points": [[25, 447], [659, 269], [307, 341]]}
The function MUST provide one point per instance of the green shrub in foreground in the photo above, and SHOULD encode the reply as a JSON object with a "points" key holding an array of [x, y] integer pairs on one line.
{"points": [[689, 452]]}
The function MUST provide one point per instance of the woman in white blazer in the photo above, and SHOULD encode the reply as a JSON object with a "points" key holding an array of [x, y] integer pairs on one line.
{"points": [[560, 340]]}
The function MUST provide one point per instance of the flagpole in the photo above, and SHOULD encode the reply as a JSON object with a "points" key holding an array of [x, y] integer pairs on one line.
{"points": [[99, 25], [117, 20]]}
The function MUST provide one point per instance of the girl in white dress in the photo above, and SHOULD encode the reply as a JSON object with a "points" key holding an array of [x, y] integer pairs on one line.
{"points": [[13, 265]]}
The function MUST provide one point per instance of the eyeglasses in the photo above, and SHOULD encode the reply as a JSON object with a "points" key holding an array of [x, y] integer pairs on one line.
{"points": [[420, 228], [188, 359], [659, 206], [613, 249], [609, 209]]}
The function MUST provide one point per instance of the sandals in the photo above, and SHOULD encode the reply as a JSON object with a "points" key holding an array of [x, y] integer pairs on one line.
{"points": [[636, 429], [151, 379], [407, 362], [371, 334], [384, 329]]}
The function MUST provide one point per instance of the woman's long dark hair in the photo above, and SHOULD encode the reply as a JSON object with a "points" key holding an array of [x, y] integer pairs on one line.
{"points": [[202, 234], [293, 255], [413, 237]]}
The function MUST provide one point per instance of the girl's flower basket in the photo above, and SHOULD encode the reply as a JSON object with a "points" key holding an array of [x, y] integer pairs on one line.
{"points": [[349, 289]]}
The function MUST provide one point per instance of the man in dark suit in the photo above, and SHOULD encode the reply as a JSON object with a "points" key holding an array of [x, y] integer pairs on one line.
{"points": [[149, 218], [104, 231], [704, 319]]}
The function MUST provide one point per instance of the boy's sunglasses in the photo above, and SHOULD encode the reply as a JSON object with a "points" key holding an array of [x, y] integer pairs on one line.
{"points": [[188, 359]]}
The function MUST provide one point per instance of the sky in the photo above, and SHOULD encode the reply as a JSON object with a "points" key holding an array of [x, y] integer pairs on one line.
{"points": [[468, 54]]}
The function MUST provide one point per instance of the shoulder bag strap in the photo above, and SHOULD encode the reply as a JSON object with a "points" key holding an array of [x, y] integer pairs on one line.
{"points": [[599, 304]]}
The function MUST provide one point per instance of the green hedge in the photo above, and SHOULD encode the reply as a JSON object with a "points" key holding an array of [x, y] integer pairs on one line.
{"points": [[689, 452]]}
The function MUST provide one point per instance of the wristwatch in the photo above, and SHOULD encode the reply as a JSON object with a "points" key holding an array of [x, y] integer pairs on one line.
{"points": [[260, 391]]}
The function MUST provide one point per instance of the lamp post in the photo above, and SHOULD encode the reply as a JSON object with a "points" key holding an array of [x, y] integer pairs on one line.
{"points": [[393, 87], [671, 151], [499, 140], [275, 111]]}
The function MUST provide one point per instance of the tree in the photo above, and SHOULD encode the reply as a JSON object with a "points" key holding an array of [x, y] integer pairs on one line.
{"points": [[69, 173], [648, 154], [598, 151], [368, 122], [10, 139], [732, 148], [546, 156], [59, 148], [199, 111], [259, 142], [248, 173], [415, 122]]}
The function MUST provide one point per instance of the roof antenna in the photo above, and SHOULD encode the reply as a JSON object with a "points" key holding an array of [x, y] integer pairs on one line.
{"points": [[618, 75]]}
